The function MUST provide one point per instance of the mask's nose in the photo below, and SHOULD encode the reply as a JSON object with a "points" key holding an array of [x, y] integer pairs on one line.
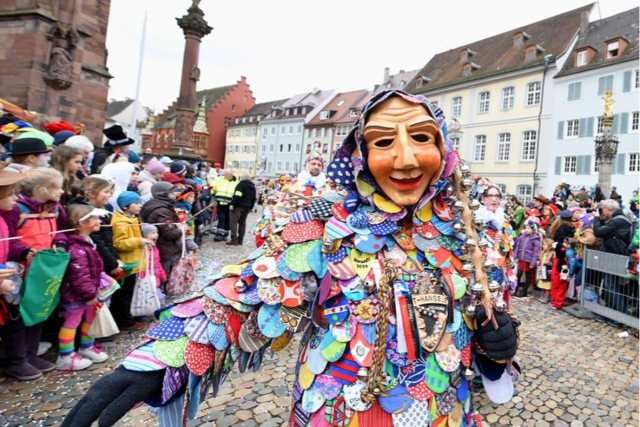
{"points": [[404, 156]]}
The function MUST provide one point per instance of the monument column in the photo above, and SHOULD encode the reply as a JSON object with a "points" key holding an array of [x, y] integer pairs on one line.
{"points": [[194, 27], [606, 145]]}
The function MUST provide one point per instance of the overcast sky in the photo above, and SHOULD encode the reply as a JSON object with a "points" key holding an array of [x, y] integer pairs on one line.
{"points": [[285, 47]]}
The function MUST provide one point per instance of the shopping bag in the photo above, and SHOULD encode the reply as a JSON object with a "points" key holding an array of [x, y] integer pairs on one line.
{"points": [[183, 273], [40, 290], [564, 273], [103, 324], [145, 300], [541, 273]]}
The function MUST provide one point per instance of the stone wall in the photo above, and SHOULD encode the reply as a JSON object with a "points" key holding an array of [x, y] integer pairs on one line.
{"points": [[30, 30]]}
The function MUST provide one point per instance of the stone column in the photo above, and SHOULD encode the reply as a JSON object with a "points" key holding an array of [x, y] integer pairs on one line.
{"points": [[606, 151], [194, 27]]}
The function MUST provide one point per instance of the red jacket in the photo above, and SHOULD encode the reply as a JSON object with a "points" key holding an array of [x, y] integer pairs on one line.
{"points": [[82, 278]]}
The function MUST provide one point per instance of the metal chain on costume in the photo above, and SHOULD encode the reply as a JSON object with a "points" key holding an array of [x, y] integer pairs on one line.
{"points": [[374, 386]]}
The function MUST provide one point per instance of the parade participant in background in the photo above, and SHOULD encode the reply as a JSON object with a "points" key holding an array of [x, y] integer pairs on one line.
{"points": [[79, 291], [527, 248], [388, 240], [67, 161], [560, 230], [222, 189], [161, 210], [35, 215], [151, 174], [28, 153], [547, 258], [129, 243], [116, 139], [243, 200], [515, 212], [312, 179]]}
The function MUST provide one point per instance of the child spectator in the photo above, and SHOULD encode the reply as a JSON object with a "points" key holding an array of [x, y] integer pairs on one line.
{"points": [[150, 232], [96, 192], [68, 162], [560, 230], [184, 207], [128, 242], [36, 214], [527, 247], [151, 174], [546, 261], [573, 264], [161, 210], [79, 291]]}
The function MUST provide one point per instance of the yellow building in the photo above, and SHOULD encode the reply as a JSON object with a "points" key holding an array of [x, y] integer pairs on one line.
{"points": [[492, 93], [243, 137]]}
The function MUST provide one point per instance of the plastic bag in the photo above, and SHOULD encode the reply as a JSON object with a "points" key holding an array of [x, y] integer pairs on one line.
{"points": [[145, 300], [103, 324], [183, 273]]}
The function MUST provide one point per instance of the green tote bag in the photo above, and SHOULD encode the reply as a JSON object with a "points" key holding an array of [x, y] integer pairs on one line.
{"points": [[41, 288]]}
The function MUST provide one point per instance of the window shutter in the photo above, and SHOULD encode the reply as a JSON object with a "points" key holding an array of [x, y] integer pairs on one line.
{"points": [[572, 91], [609, 83], [618, 167], [600, 85], [560, 129], [624, 122], [589, 131], [582, 128], [587, 164], [558, 164], [626, 81], [579, 165], [578, 91], [616, 125]]}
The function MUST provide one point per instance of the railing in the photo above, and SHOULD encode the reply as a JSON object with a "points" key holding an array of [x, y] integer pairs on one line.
{"points": [[605, 290]]}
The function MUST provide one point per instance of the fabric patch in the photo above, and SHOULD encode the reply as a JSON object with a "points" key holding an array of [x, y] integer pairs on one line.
{"points": [[269, 291], [290, 293], [338, 413], [358, 222], [446, 401], [269, 321], [174, 379], [171, 353], [421, 392], [336, 229], [337, 256], [385, 205], [272, 246], [196, 329], [353, 396], [370, 244], [340, 212], [396, 400], [375, 416], [327, 386], [312, 400], [366, 310], [336, 309], [188, 309], [226, 288], [435, 377], [248, 343], [332, 349], [384, 228], [344, 370], [340, 170], [361, 349], [361, 262], [297, 256], [142, 359], [320, 208], [169, 329], [303, 232], [217, 336], [344, 331], [198, 357], [265, 267], [416, 415], [212, 294], [449, 359]]}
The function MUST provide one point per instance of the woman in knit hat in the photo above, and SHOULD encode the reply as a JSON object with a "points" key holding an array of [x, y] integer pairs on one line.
{"points": [[151, 174]]}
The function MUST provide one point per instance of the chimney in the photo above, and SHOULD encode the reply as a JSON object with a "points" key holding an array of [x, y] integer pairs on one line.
{"points": [[584, 23], [386, 75]]}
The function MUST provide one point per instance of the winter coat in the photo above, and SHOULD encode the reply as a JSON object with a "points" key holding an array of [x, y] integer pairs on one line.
{"points": [[10, 250], [244, 195], [30, 217], [562, 233], [636, 239], [527, 247], [82, 278], [145, 180], [169, 236], [589, 239], [615, 233], [100, 158], [103, 240], [127, 239]]}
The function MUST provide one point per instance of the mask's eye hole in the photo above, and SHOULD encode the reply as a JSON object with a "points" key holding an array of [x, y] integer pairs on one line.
{"points": [[383, 143], [421, 137]]}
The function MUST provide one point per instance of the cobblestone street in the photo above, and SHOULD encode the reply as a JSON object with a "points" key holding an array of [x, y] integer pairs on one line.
{"points": [[575, 373]]}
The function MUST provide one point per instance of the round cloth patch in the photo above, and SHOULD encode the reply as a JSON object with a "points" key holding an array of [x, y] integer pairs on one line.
{"points": [[290, 293], [196, 329], [435, 377], [217, 336], [226, 288], [384, 228], [142, 359], [284, 270], [337, 256], [297, 256], [337, 229], [396, 400], [265, 267], [269, 291], [421, 392], [370, 244], [248, 343], [449, 359], [365, 310], [342, 270], [169, 329], [320, 208], [302, 232], [216, 312], [428, 231], [327, 386], [415, 415], [447, 401], [449, 242], [212, 293], [338, 413], [312, 400], [198, 357], [188, 309], [269, 321], [281, 342], [171, 353], [353, 396]]}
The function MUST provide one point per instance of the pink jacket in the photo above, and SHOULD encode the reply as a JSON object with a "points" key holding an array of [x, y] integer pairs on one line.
{"points": [[161, 276]]}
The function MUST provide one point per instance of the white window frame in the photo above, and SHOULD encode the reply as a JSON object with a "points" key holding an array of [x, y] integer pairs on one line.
{"points": [[581, 58], [617, 48], [503, 187], [509, 97], [324, 115], [534, 94], [484, 102], [480, 149], [271, 148], [455, 143], [569, 165], [599, 125], [290, 129], [596, 165], [273, 130], [295, 111], [524, 192], [503, 151], [299, 130], [456, 106], [528, 154], [283, 130], [572, 132], [636, 79], [569, 90], [297, 148], [636, 162], [634, 119]]}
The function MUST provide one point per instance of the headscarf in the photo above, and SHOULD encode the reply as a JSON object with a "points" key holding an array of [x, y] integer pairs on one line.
{"points": [[121, 175]]}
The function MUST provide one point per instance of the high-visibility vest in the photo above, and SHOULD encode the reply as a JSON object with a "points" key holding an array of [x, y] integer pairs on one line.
{"points": [[222, 189]]}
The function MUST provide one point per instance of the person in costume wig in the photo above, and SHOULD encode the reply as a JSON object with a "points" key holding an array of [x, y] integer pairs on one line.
{"points": [[382, 276]]}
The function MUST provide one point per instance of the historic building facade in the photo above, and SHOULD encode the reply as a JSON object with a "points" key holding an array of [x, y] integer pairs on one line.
{"points": [[54, 60]]}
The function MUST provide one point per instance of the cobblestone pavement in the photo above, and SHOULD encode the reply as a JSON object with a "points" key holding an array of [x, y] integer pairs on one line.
{"points": [[575, 373]]}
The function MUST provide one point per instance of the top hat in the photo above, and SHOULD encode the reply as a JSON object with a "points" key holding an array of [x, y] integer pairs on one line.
{"points": [[116, 136]]}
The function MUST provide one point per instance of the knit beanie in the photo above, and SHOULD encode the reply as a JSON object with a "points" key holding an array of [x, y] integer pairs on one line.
{"points": [[126, 198], [178, 168], [154, 167], [160, 191], [148, 229]]}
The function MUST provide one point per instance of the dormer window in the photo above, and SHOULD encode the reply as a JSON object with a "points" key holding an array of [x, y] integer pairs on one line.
{"points": [[418, 83], [531, 53], [464, 57], [250, 119], [324, 115], [466, 70], [353, 112], [613, 49], [237, 120], [295, 111], [304, 110], [287, 111], [520, 37], [581, 58], [244, 119], [273, 113], [402, 83], [518, 40]]}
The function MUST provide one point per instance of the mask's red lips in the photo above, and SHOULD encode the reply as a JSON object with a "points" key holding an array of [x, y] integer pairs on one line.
{"points": [[407, 183]]}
